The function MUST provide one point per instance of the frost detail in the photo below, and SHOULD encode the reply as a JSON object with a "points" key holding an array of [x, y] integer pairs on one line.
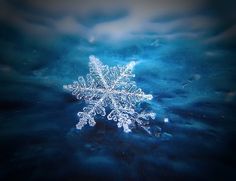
{"points": [[114, 88]]}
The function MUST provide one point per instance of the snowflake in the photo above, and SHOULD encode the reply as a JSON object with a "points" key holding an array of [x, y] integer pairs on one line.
{"points": [[111, 88]]}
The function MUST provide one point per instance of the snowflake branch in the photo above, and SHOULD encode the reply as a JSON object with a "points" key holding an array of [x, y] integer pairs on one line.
{"points": [[123, 74], [94, 62]]}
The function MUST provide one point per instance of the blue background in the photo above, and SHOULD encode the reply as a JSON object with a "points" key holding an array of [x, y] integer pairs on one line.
{"points": [[186, 59]]}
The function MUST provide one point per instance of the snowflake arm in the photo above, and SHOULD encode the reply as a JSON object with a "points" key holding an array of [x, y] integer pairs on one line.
{"points": [[98, 70]]}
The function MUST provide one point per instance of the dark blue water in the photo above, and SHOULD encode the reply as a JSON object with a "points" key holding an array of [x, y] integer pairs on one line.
{"points": [[192, 82]]}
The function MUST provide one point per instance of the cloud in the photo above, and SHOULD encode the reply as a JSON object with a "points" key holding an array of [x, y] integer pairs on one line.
{"points": [[227, 35], [109, 20], [68, 25], [133, 27]]}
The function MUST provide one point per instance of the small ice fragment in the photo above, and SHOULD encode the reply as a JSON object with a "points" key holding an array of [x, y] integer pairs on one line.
{"points": [[91, 39], [166, 120]]}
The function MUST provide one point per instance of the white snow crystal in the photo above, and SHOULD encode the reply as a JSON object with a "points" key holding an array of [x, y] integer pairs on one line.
{"points": [[111, 87], [166, 120]]}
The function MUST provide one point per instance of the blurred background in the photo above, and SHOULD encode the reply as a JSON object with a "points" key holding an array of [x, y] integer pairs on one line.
{"points": [[185, 51]]}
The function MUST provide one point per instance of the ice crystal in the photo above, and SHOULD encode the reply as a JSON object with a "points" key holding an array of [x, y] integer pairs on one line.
{"points": [[111, 88]]}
